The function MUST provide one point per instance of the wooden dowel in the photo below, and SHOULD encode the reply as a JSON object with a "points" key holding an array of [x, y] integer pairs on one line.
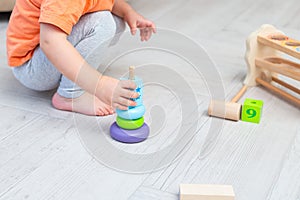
{"points": [[278, 91], [239, 94], [294, 89], [131, 72], [280, 66]]}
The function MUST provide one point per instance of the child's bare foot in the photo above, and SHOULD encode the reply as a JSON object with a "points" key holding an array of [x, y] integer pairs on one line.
{"points": [[86, 104]]}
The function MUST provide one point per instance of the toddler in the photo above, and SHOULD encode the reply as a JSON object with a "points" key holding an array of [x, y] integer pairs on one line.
{"points": [[49, 45]]}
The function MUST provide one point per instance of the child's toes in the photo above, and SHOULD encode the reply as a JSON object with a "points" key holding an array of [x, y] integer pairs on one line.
{"points": [[99, 112]]}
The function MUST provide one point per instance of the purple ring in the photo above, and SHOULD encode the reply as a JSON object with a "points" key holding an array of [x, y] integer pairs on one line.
{"points": [[129, 136]]}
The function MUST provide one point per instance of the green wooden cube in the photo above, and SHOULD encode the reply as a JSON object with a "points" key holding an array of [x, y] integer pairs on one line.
{"points": [[252, 110]]}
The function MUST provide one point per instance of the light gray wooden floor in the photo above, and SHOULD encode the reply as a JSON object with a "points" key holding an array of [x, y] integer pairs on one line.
{"points": [[44, 155]]}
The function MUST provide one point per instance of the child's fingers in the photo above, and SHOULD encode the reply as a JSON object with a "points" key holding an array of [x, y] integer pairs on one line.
{"points": [[146, 27], [146, 33], [133, 31], [126, 102], [121, 107], [128, 84], [127, 89], [128, 94], [123, 102], [149, 33], [143, 34], [124, 94], [133, 27], [153, 28]]}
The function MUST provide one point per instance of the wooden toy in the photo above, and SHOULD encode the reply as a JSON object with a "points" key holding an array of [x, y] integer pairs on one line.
{"points": [[206, 192], [251, 110], [227, 110], [129, 126], [263, 57]]}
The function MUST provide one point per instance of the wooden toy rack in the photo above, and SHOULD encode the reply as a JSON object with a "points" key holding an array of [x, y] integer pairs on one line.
{"points": [[266, 52]]}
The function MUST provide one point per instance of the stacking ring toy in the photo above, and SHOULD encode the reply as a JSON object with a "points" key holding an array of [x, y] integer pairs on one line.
{"points": [[129, 136], [130, 124], [132, 112]]}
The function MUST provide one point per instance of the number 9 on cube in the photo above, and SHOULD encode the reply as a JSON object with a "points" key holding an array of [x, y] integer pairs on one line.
{"points": [[252, 110]]}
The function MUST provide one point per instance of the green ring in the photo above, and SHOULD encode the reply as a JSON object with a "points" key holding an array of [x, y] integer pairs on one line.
{"points": [[130, 124]]}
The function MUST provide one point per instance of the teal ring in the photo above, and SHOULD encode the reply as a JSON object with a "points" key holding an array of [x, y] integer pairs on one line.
{"points": [[132, 112]]}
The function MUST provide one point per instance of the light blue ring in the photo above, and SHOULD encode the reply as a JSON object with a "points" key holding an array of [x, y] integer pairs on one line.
{"points": [[132, 112]]}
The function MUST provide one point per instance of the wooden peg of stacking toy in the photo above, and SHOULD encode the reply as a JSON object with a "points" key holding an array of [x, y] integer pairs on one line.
{"points": [[263, 56], [227, 110], [130, 126], [206, 192], [131, 72]]}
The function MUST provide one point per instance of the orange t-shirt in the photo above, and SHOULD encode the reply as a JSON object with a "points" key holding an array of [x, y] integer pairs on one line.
{"points": [[23, 32]]}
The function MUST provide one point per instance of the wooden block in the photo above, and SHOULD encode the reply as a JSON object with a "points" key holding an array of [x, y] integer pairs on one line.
{"points": [[252, 110], [206, 192]]}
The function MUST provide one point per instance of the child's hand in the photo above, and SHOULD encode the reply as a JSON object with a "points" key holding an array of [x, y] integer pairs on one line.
{"points": [[136, 21], [123, 93]]}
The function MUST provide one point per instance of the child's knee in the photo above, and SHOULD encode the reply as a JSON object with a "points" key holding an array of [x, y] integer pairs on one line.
{"points": [[110, 26], [106, 27], [97, 26]]}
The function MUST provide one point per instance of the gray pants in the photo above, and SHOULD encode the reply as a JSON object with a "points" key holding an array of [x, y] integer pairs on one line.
{"points": [[91, 36]]}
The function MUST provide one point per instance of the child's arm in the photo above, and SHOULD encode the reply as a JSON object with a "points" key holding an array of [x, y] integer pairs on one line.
{"points": [[134, 20], [61, 53]]}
